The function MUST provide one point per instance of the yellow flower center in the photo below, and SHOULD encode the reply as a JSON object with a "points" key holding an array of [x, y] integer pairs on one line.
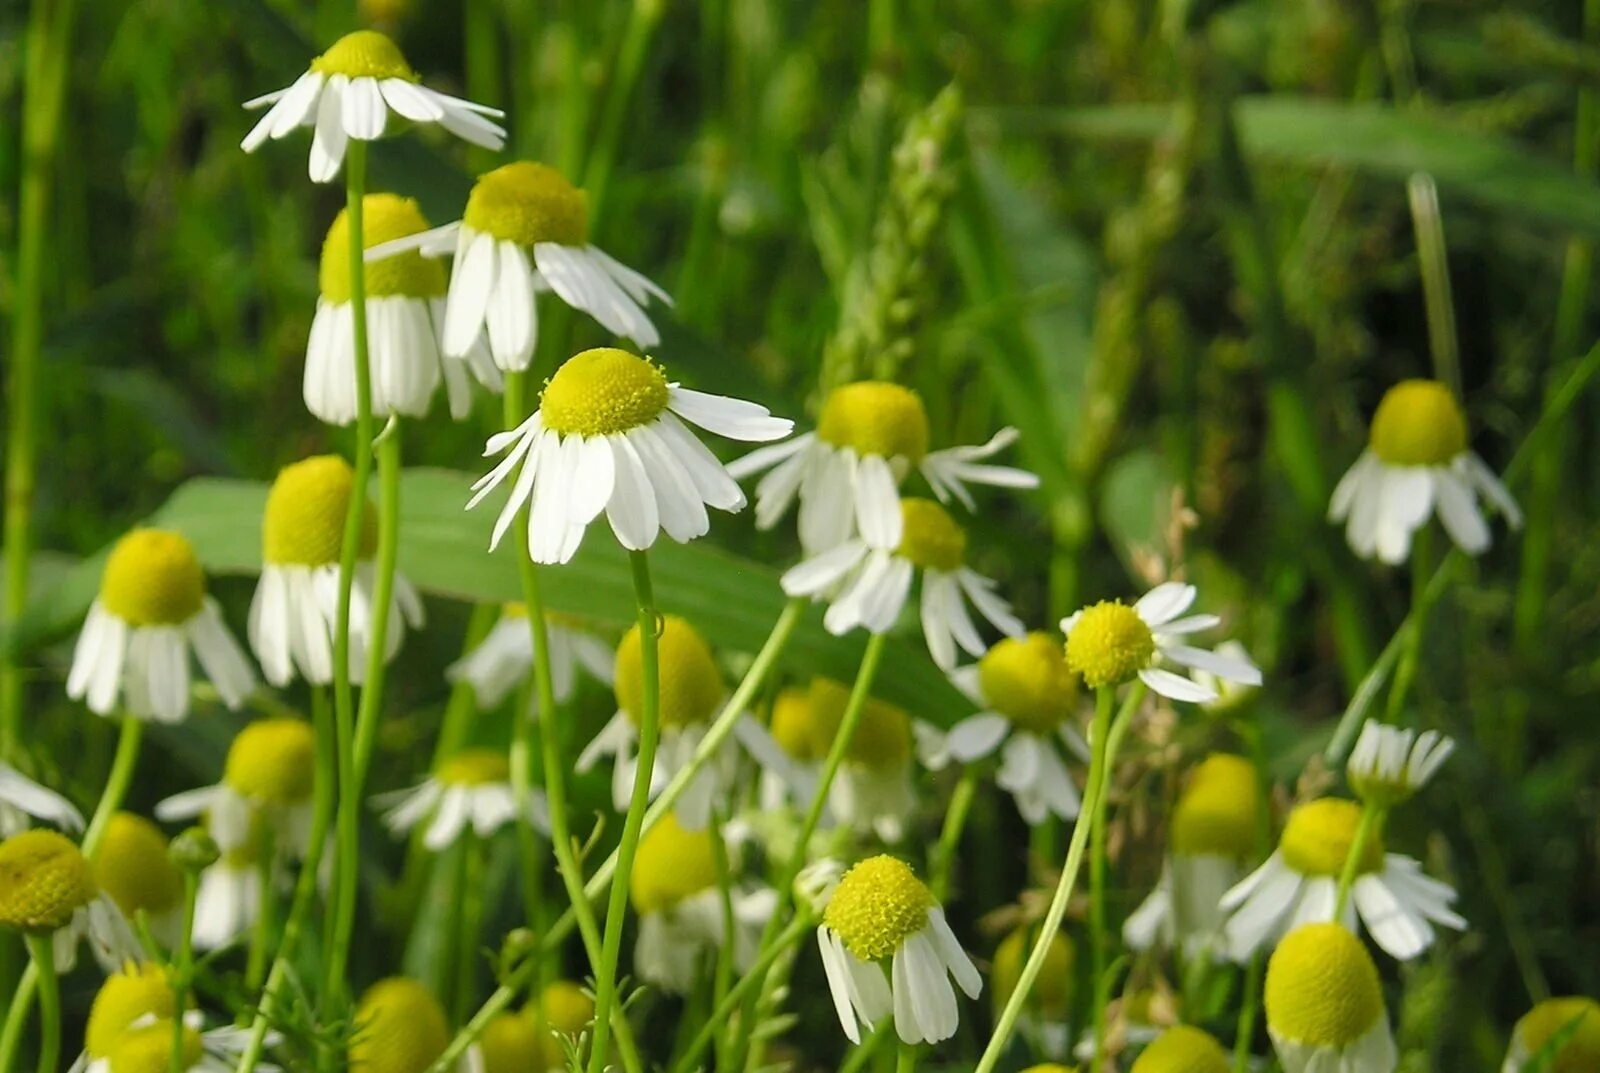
{"points": [[527, 203], [1581, 1051], [1318, 836], [670, 865], [929, 537], [1026, 680], [137, 991], [384, 217], [474, 767], [566, 1008], [1051, 1067], [365, 54], [1052, 991], [602, 392], [1219, 812], [273, 761], [400, 1028], [43, 881], [131, 865], [1182, 1049], [1109, 644], [1418, 423], [304, 521], [510, 1044], [1322, 988], [883, 733], [791, 723], [152, 578], [691, 686], [148, 1049], [876, 418], [878, 905]]}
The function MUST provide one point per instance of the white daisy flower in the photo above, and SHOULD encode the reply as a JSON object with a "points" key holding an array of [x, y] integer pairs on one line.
{"points": [[1183, 1049], [1324, 1004], [1046, 1017], [504, 658], [873, 791], [609, 435], [21, 797], [526, 231], [267, 784], [148, 1045], [471, 789], [131, 866], [1211, 837], [867, 583], [868, 439], [151, 612], [122, 1031], [1574, 1020], [47, 887], [350, 91], [888, 952], [1388, 764], [1417, 463], [1027, 697], [1110, 643], [1299, 883], [790, 725], [295, 611]]}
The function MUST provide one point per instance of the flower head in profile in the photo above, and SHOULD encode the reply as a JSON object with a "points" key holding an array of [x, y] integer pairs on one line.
{"points": [[846, 475], [1417, 463], [471, 790], [132, 867], [1046, 1017], [889, 952], [1562, 1032], [1110, 643], [503, 659], [352, 91], [537, 1038], [400, 1028], [47, 887], [21, 798], [1324, 1006], [130, 1028], [1299, 884], [873, 790], [228, 901], [266, 785], [867, 583], [1183, 1049], [152, 612], [295, 611], [610, 436], [1389, 764]]}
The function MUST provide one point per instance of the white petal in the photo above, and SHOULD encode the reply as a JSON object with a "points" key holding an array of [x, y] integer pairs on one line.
{"points": [[977, 736], [1164, 603], [1176, 686], [734, 418], [363, 109]]}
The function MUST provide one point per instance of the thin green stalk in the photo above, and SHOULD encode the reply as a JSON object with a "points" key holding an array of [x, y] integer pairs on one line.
{"points": [[1245, 1032], [1406, 668], [906, 1060], [261, 936], [183, 965], [955, 821], [643, 20], [469, 921], [857, 1059], [123, 762], [798, 928], [722, 977], [1369, 827], [17, 1016], [1104, 699], [484, 40], [1433, 259], [42, 952]]}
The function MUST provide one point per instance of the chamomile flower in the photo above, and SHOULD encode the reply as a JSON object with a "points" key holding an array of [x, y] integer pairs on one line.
{"points": [[1417, 463], [350, 92], [295, 612], [505, 657], [21, 797], [675, 891], [1574, 1020], [536, 1038], [471, 789], [130, 1005], [1183, 1049], [610, 435], [1389, 764], [131, 866], [1027, 699], [847, 473], [228, 900], [47, 887], [399, 1028], [526, 230], [1110, 643], [153, 611], [1324, 1006], [691, 694], [872, 791], [867, 582], [1212, 836], [789, 724], [148, 1048], [1299, 883], [1047, 1013], [888, 952], [564, 1011], [266, 784]]}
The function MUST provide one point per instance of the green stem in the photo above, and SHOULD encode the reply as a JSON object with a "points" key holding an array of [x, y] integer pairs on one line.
{"points": [[183, 965], [726, 1007], [955, 821], [906, 1060], [42, 951], [1105, 699], [643, 19], [1369, 827], [123, 762], [1406, 669], [469, 902], [722, 977], [261, 937], [17, 1016], [1245, 1032]]}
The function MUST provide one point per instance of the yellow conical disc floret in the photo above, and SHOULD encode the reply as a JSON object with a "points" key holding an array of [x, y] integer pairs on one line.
{"points": [[564, 1010], [365, 54], [883, 735], [1182, 1049], [527, 203], [137, 992], [1052, 991], [384, 217], [148, 1049], [671, 864], [603, 392], [691, 685], [1219, 811], [44, 880], [273, 761], [1575, 1017], [1322, 988], [791, 723], [1317, 838], [1418, 423], [152, 578], [1026, 680], [929, 537], [1109, 644], [475, 767], [510, 1044], [131, 865], [304, 520], [878, 905], [400, 1028], [876, 418]]}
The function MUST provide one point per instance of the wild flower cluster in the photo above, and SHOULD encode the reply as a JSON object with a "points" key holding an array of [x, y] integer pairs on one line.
{"points": [[772, 827]]}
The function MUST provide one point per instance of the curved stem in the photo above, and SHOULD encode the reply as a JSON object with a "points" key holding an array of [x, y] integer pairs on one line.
{"points": [[123, 761], [955, 821], [42, 950], [183, 966], [17, 1016], [1369, 827], [722, 979]]}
